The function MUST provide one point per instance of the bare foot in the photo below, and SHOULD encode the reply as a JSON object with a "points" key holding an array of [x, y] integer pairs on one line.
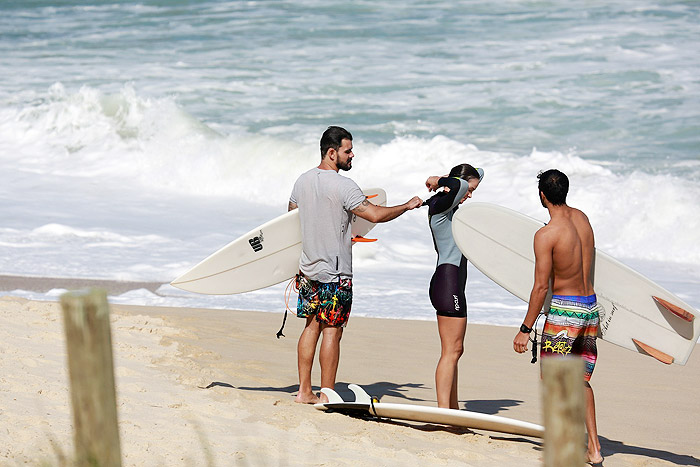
{"points": [[310, 398], [595, 458]]}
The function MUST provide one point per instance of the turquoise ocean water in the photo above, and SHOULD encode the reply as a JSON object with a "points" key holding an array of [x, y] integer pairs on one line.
{"points": [[138, 137]]}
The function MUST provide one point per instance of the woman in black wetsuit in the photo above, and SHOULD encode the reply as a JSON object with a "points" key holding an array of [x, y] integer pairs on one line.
{"points": [[450, 277]]}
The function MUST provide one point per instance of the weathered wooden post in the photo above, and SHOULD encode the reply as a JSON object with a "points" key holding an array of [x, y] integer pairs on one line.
{"points": [[564, 411], [91, 373]]}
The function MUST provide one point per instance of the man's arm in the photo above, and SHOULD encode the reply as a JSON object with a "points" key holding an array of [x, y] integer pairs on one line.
{"points": [[374, 213], [291, 206], [543, 246]]}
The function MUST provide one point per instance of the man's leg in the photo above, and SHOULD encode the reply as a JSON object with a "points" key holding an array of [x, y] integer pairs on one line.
{"points": [[329, 356], [306, 348], [594, 455]]}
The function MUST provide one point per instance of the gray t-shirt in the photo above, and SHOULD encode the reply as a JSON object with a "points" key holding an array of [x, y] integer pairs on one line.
{"points": [[325, 199]]}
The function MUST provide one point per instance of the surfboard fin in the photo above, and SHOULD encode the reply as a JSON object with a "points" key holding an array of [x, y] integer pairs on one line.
{"points": [[333, 397], [657, 354], [360, 238], [676, 310], [361, 396]]}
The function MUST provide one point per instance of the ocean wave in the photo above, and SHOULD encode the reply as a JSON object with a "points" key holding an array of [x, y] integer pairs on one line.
{"points": [[139, 149]]}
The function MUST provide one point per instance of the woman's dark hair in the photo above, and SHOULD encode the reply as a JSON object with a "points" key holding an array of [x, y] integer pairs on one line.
{"points": [[465, 172], [333, 138], [554, 184]]}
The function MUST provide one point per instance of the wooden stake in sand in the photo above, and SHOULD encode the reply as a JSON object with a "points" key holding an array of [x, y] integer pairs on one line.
{"points": [[91, 372], [564, 411]]}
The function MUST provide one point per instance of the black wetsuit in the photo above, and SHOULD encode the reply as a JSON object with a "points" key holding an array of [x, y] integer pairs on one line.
{"points": [[450, 277]]}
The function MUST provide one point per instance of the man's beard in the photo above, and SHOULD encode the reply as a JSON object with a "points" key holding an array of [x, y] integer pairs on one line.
{"points": [[347, 165]]}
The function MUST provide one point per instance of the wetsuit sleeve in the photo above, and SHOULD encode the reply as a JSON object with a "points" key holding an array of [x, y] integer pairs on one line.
{"points": [[445, 201]]}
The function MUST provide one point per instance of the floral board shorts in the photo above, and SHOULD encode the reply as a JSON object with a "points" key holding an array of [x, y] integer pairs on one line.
{"points": [[330, 302], [571, 329]]}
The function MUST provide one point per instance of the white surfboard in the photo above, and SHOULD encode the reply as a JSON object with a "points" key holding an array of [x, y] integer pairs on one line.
{"points": [[640, 315], [265, 256], [364, 404]]}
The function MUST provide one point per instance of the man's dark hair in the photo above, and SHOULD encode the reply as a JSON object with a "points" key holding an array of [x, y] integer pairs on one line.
{"points": [[464, 171], [554, 184], [333, 138]]}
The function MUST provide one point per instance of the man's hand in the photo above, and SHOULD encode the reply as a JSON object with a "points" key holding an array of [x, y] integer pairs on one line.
{"points": [[520, 342], [414, 203]]}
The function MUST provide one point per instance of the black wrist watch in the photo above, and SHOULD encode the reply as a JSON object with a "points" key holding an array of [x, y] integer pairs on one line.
{"points": [[525, 329]]}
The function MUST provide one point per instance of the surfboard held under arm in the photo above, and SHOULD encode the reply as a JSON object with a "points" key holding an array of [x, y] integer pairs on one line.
{"points": [[265, 256], [640, 315]]}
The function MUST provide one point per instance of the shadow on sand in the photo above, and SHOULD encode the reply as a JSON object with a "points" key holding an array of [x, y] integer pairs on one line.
{"points": [[611, 447], [379, 390], [384, 388]]}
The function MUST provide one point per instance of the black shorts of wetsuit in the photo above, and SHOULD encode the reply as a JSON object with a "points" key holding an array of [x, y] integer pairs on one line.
{"points": [[447, 290]]}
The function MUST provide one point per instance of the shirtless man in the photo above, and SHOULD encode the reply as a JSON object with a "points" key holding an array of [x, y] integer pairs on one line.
{"points": [[564, 250]]}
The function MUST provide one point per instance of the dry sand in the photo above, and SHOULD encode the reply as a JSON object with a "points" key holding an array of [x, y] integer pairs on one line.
{"points": [[215, 387]]}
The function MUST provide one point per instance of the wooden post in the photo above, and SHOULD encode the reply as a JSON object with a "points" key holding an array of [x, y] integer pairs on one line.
{"points": [[91, 373], [564, 411]]}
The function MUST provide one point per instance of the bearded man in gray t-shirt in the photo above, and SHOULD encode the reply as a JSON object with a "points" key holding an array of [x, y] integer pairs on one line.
{"points": [[327, 201]]}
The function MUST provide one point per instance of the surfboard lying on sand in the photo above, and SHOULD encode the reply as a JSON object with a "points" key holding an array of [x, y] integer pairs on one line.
{"points": [[365, 405], [265, 256], [640, 315]]}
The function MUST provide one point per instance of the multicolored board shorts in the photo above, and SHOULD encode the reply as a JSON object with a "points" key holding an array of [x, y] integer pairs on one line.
{"points": [[330, 302], [572, 328]]}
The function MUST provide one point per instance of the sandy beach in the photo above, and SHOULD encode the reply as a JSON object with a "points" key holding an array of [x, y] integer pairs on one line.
{"points": [[216, 387]]}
